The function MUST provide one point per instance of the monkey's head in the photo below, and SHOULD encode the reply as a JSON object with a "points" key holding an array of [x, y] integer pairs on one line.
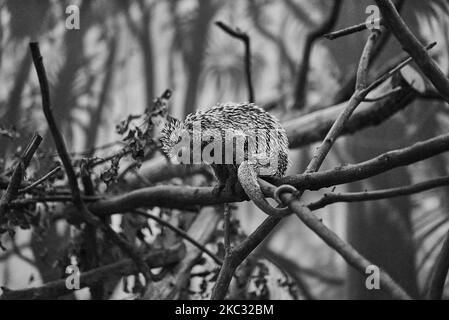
{"points": [[174, 135]]}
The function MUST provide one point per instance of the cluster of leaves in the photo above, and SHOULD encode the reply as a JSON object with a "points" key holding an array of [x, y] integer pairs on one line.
{"points": [[24, 218], [261, 291], [26, 215], [138, 138], [290, 286]]}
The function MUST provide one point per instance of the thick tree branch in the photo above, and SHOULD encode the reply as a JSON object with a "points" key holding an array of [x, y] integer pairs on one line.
{"points": [[351, 256], [181, 233], [383, 163], [412, 45]]}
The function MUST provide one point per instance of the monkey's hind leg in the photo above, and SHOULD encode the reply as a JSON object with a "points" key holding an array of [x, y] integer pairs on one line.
{"points": [[222, 175], [227, 179]]}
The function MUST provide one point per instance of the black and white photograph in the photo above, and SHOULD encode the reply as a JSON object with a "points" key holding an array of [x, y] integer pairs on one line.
{"points": [[258, 153]]}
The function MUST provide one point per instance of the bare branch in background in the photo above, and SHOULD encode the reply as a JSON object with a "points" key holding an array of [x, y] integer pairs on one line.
{"points": [[351, 256], [350, 30], [361, 92], [312, 37], [175, 284], [238, 34], [181, 233], [414, 48]]}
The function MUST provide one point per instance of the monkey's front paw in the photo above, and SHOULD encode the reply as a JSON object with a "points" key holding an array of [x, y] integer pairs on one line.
{"points": [[218, 189]]}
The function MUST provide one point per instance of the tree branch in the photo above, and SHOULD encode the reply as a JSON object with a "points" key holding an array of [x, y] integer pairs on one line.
{"points": [[350, 30], [40, 181], [412, 45], [202, 230], [56, 133], [330, 198], [346, 251], [83, 211], [383, 163], [351, 256], [358, 96], [243, 36], [303, 71], [181, 233], [13, 187]]}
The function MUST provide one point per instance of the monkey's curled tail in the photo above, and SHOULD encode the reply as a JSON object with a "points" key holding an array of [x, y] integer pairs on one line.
{"points": [[247, 176]]}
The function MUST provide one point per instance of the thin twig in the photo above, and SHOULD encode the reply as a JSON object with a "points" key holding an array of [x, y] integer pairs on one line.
{"points": [[352, 29], [19, 171], [51, 198], [243, 36], [41, 180], [86, 153], [361, 92], [412, 45], [331, 198], [181, 233], [395, 69]]}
